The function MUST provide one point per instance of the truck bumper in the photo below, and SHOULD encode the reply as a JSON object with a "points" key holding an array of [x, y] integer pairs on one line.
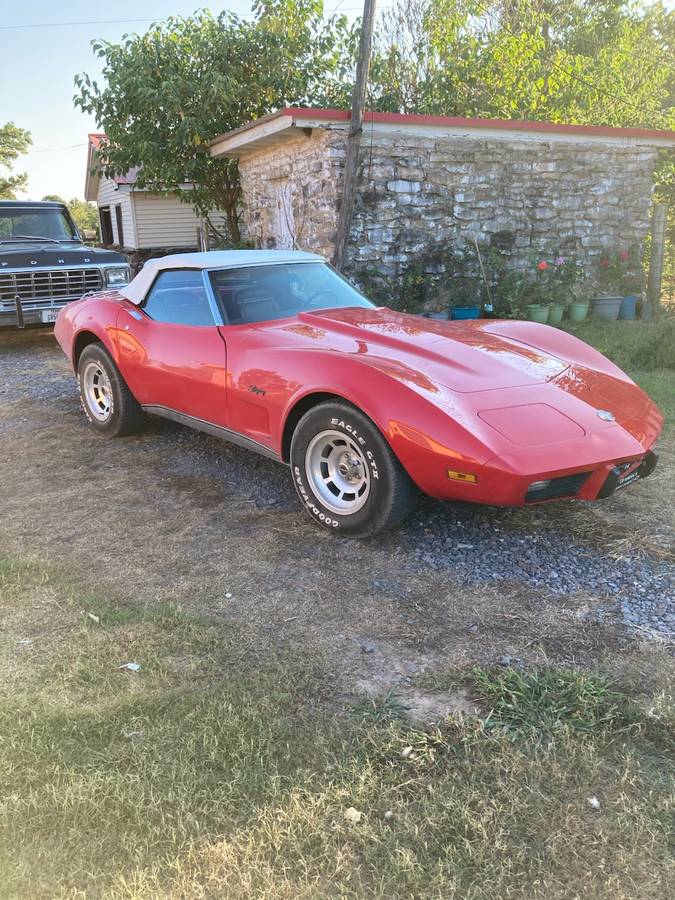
{"points": [[19, 318]]}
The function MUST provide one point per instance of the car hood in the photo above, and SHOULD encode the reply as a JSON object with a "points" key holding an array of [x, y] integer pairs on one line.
{"points": [[27, 253], [461, 356], [492, 364]]}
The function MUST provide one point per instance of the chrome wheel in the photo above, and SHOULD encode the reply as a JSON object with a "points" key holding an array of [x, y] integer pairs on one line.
{"points": [[97, 391], [338, 472]]}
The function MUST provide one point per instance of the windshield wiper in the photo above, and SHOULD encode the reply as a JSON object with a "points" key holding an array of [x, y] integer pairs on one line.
{"points": [[31, 237]]}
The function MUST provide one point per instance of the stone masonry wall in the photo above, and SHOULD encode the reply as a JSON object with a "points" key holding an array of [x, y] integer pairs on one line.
{"points": [[416, 192], [295, 183], [527, 197]]}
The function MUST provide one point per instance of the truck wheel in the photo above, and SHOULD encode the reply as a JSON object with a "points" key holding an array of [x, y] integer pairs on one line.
{"points": [[346, 474], [106, 400]]}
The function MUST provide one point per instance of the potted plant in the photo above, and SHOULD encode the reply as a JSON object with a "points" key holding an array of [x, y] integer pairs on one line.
{"points": [[632, 282], [537, 312], [618, 275], [578, 310], [464, 299], [553, 288]]}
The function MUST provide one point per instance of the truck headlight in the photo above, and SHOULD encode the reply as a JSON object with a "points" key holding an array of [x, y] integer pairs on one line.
{"points": [[117, 276]]}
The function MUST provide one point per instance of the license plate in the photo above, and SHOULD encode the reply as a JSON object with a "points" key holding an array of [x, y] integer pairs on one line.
{"points": [[628, 479], [49, 315]]}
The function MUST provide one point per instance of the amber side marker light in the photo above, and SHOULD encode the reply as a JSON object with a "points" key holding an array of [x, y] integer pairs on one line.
{"points": [[462, 476]]}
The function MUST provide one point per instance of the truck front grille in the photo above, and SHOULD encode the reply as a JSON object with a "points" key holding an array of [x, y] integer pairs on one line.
{"points": [[41, 286]]}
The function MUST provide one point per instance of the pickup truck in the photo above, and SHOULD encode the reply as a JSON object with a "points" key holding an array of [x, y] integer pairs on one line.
{"points": [[44, 263]]}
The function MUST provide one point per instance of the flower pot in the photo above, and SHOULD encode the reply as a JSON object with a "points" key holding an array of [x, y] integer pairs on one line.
{"points": [[435, 315], [465, 312], [627, 308], [537, 313], [606, 307], [578, 311], [555, 313]]}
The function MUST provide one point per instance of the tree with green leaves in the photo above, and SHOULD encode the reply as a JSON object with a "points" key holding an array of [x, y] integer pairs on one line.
{"points": [[14, 141], [601, 62], [85, 214], [170, 91], [588, 62]]}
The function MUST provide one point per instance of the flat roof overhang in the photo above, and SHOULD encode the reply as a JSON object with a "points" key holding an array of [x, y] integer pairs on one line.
{"points": [[287, 123]]}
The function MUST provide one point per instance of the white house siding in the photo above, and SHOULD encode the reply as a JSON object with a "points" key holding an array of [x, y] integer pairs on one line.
{"points": [[163, 221], [110, 195]]}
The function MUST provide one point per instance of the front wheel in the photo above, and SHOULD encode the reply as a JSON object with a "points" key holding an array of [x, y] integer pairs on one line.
{"points": [[346, 474]]}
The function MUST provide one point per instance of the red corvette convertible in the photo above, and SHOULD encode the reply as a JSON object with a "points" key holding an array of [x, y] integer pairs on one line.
{"points": [[277, 352]]}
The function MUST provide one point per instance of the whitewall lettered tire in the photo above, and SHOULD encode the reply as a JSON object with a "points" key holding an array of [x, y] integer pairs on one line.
{"points": [[346, 474]]}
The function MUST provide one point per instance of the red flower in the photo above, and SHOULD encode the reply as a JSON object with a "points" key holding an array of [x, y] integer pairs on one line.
{"points": [[542, 266], [623, 255], [604, 262]]}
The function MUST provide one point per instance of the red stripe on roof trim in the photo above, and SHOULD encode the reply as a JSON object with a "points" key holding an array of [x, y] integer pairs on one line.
{"points": [[456, 122]]}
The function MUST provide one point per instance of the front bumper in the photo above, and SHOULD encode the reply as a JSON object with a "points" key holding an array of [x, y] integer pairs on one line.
{"points": [[510, 482], [591, 482], [622, 476], [22, 315]]}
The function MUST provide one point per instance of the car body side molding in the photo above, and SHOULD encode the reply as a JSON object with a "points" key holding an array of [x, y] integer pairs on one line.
{"points": [[218, 431]]}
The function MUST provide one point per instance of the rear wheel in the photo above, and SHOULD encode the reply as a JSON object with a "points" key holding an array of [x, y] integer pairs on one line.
{"points": [[346, 474], [106, 400]]}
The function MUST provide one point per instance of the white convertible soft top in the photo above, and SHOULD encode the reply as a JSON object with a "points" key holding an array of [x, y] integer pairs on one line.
{"points": [[139, 286]]}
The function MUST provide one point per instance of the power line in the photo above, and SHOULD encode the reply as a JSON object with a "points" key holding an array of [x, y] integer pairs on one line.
{"points": [[57, 149], [72, 24], [31, 25]]}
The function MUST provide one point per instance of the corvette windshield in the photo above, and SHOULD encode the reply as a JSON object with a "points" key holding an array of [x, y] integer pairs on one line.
{"points": [[262, 293]]}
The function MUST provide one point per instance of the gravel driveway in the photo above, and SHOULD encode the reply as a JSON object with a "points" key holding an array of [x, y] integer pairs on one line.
{"points": [[176, 515]]}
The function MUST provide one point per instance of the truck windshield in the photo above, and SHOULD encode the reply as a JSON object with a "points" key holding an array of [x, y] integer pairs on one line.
{"points": [[47, 224]]}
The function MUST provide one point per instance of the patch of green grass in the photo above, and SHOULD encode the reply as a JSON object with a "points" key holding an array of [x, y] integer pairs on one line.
{"points": [[550, 701], [214, 773], [644, 350], [642, 346], [660, 385], [387, 708]]}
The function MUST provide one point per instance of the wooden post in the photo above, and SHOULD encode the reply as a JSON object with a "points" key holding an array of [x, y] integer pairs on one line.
{"points": [[659, 215], [354, 138]]}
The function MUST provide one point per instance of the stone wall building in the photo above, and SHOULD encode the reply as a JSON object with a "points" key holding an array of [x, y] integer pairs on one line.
{"points": [[425, 181]]}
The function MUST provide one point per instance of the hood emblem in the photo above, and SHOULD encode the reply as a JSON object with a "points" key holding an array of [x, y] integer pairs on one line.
{"points": [[606, 415]]}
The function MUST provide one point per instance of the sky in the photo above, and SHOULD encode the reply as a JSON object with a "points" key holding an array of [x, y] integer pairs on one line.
{"points": [[39, 57], [37, 66]]}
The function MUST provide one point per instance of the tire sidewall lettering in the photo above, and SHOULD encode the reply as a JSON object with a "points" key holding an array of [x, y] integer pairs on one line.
{"points": [[358, 437], [322, 516], [319, 513]]}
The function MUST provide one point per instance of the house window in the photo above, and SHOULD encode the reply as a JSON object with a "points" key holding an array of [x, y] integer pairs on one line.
{"points": [[106, 225], [118, 220]]}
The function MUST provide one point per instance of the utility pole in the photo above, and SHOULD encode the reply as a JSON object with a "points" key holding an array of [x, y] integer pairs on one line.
{"points": [[354, 138]]}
